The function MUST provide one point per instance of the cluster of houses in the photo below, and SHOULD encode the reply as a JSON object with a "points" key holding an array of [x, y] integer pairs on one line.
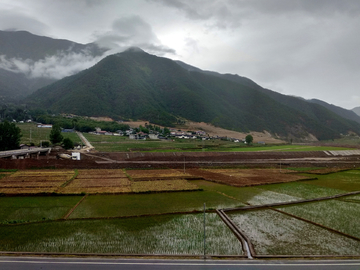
{"points": [[174, 133], [155, 135]]}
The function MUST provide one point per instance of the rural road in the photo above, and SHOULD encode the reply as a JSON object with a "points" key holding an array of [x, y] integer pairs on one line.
{"points": [[32, 263], [85, 141]]}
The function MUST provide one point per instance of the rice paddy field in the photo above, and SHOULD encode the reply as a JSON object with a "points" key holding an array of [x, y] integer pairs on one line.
{"points": [[274, 233], [156, 221], [336, 214], [168, 234]]}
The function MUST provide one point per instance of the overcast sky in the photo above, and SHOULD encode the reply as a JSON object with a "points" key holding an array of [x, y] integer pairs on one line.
{"points": [[307, 48]]}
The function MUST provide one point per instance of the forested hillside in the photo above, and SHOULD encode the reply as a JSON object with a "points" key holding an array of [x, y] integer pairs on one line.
{"points": [[137, 85]]}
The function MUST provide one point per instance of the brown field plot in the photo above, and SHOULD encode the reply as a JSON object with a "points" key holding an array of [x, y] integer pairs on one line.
{"points": [[163, 185], [99, 181], [121, 181], [34, 181], [246, 177], [160, 180], [166, 174]]}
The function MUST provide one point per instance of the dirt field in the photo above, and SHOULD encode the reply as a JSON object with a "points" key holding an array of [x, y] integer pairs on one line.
{"points": [[245, 177], [98, 181]]}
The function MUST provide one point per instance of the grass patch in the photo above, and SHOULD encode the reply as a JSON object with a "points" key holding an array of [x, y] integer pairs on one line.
{"points": [[30, 209], [173, 234], [32, 134], [273, 233], [8, 170], [72, 178], [150, 204]]}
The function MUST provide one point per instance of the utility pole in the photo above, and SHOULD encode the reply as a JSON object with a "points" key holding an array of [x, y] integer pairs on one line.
{"points": [[204, 233], [184, 165]]}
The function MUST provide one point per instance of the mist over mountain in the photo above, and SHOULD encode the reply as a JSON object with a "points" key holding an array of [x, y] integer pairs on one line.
{"points": [[356, 110], [29, 62], [136, 85]]}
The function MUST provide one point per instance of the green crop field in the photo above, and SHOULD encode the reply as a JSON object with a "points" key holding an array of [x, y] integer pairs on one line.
{"points": [[150, 204], [273, 233], [31, 209], [303, 190], [347, 180], [168, 234]]}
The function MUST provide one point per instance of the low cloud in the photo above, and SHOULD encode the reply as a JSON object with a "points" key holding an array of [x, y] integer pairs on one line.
{"points": [[55, 67], [129, 32]]}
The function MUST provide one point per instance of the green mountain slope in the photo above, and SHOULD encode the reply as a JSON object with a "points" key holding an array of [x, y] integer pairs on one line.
{"points": [[137, 85], [297, 103]]}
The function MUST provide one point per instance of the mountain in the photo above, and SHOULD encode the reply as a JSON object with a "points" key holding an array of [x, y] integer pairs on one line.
{"points": [[348, 114], [356, 110], [27, 61], [297, 103], [136, 85]]}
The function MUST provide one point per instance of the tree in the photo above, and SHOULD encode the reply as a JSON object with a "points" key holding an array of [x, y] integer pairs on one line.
{"points": [[249, 139], [10, 136], [68, 143], [45, 144], [55, 135]]}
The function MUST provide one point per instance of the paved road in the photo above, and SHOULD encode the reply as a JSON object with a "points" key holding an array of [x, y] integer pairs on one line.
{"points": [[32, 263]]}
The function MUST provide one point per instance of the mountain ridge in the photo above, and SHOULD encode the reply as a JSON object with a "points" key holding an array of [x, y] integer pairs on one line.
{"points": [[292, 101], [134, 84], [356, 110]]}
